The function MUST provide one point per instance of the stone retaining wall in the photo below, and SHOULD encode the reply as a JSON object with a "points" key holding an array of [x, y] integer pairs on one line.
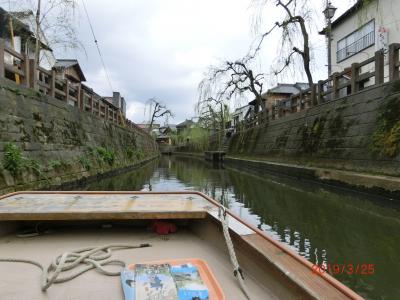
{"points": [[358, 133], [59, 143]]}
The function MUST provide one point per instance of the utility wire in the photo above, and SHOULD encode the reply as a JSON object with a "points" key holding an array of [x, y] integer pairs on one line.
{"points": [[98, 47]]}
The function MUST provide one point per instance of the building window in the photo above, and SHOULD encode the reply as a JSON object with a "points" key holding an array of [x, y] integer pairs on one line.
{"points": [[357, 41]]}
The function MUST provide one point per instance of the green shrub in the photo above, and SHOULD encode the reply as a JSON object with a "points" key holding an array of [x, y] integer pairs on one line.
{"points": [[139, 154], [129, 153], [85, 162], [55, 164], [34, 165], [13, 161], [106, 155]]}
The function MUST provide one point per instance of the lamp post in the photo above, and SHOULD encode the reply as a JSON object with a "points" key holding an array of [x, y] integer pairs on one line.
{"points": [[329, 12]]}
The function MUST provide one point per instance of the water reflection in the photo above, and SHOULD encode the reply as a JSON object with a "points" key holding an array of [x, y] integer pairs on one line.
{"points": [[322, 225]]}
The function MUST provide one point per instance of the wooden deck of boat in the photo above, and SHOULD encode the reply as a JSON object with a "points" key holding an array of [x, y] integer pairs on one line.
{"points": [[23, 281], [273, 271]]}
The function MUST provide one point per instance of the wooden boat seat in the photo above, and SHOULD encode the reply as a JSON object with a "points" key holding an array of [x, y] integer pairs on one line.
{"points": [[86, 206]]}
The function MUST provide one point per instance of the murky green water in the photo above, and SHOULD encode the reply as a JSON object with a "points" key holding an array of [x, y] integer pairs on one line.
{"points": [[323, 225]]}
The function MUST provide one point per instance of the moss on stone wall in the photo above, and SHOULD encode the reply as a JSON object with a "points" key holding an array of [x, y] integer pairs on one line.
{"points": [[337, 129], [281, 140], [246, 141], [386, 138], [311, 135]]}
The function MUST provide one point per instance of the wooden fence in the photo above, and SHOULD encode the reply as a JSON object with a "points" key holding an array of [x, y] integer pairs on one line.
{"points": [[22, 70], [351, 80]]}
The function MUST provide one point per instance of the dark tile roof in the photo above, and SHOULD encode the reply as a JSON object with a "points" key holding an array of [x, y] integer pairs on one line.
{"points": [[70, 63], [287, 88], [185, 123]]}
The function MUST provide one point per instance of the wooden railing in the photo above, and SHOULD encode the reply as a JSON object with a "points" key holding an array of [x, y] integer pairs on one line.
{"points": [[23, 71], [359, 76]]}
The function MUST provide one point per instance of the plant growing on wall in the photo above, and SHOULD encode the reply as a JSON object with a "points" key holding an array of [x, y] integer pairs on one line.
{"points": [[34, 165], [106, 155], [139, 154], [129, 153], [13, 161], [85, 162], [55, 164], [386, 139]]}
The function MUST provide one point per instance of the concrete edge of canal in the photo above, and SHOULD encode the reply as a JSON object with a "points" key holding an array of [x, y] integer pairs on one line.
{"points": [[388, 186], [383, 185]]}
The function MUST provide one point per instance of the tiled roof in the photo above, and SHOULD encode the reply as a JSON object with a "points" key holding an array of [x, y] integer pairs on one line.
{"points": [[287, 88], [185, 123], [69, 63]]}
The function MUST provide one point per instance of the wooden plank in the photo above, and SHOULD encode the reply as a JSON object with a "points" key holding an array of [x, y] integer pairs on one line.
{"points": [[60, 92], [25, 68], [393, 62], [33, 74], [14, 70], [354, 77], [379, 67], [366, 62], [43, 84], [102, 216], [53, 83], [14, 53], [91, 206], [365, 76]]}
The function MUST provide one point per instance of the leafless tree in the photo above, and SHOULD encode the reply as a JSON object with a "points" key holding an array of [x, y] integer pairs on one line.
{"points": [[229, 80], [157, 110], [53, 21], [294, 35]]}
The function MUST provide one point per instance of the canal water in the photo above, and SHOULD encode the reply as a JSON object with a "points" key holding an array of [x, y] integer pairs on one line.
{"points": [[325, 225]]}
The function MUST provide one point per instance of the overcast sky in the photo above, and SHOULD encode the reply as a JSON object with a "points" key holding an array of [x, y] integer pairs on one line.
{"points": [[161, 48]]}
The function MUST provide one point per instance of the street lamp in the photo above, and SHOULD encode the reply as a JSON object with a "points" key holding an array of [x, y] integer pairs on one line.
{"points": [[329, 12]]}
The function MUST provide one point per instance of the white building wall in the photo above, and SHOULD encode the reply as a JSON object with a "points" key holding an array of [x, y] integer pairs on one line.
{"points": [[385, 13]]}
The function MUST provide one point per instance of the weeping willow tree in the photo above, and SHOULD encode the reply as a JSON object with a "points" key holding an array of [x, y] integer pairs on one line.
{"points": [[213, 115], [229, 80], [194, 139], [293, 26]]}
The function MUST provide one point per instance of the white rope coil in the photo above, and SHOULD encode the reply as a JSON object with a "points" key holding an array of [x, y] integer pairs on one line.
{"points": [[90, 257]]}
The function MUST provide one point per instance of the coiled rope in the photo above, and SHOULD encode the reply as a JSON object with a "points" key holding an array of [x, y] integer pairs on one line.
{"points": [[237, 271], [91, 257]]}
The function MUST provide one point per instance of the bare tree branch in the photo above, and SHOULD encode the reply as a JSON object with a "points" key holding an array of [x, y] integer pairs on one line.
{"points": [[158, 110], [231, 79], [292, 26]]}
